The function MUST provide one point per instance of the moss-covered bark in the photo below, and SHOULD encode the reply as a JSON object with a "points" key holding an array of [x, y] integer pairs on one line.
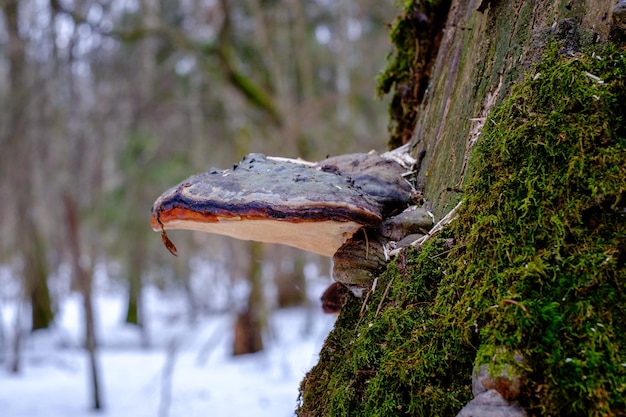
{"points": [[416, 35], [537, 266], [543, 235], [396, 358], [541, 241], [481, 55]]}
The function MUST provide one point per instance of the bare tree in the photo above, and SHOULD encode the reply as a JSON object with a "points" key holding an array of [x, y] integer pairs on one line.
{"points": [[84, 278], [18, 161], [252, 321]]}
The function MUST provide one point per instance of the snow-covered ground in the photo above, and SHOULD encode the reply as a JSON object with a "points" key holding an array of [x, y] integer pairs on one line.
{"points": [[206, 379]]}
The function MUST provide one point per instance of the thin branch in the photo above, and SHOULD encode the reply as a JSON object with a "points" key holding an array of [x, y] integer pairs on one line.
{"points": [[253, 92], [367, 296], [383, 297]]}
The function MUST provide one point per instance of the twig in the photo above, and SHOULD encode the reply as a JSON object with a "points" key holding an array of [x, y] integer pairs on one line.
{"points": [[383, 297], [401, 156], [440, 254], [292, 160], [517, 303], [367, 296], [594, 77]]}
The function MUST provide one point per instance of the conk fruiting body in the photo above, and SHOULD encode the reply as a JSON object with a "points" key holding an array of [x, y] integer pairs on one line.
{"points": [[340, 207]]}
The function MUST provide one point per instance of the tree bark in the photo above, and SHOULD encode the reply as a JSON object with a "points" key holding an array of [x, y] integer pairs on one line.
{"points": [[32, 246], [482, 54], [412, 350], [289, 279], [84, 278], [148, 48], [252, 321]]}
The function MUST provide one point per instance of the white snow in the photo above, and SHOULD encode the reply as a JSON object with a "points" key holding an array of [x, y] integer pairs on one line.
{"points": [[206, 379]]}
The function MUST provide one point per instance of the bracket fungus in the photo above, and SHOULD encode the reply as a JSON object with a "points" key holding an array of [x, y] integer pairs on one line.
{"points": [[335, 207]]}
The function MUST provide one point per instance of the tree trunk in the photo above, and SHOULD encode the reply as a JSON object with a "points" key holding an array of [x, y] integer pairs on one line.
{"points": [[83, 277], [289, 276], [36, 276], [482, 54], [148, 47], [342, 78], [17, 144], [16, 346], [251, 322], [135, 269], [517, 99]]}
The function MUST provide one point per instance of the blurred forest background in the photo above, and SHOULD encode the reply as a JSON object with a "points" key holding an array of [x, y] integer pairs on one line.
{"points": [[107, 103]]}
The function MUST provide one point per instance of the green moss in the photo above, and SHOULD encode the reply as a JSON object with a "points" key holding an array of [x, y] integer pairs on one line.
{"points": [[416, 35], [543, 234], [538, 268], [394, 360]]}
